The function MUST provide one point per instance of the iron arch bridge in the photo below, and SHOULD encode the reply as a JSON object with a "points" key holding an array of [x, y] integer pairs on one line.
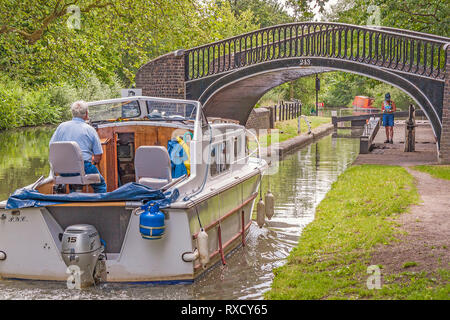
{"points": [[228, 77]]}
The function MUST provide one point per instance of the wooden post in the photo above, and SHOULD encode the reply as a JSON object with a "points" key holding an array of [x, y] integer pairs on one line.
{"points": [[410, 130], [271, 118], [285, 106], [280, 118]]}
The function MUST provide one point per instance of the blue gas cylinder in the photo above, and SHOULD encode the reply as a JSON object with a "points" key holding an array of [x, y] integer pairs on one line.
{"points": [[151, 222]]}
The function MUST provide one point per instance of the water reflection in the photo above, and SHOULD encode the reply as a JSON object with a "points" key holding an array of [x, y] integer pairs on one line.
{"points": [[301, 182], [23, 157]]}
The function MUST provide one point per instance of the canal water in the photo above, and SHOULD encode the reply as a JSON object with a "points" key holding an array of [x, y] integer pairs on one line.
{"points": [[300, 183]]}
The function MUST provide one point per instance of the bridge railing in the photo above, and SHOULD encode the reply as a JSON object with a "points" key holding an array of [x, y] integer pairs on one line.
{"points": [[396, 49]]}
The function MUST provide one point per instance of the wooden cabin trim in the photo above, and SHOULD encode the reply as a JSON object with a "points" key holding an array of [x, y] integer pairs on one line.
{"points": [[144, 135], [91, 204]]}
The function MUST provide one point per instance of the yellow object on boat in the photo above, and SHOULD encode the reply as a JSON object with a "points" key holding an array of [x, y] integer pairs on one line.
{"points": [[187, 163]]}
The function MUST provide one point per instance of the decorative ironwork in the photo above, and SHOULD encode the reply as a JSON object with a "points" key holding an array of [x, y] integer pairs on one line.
{"points": [[396, 49]]}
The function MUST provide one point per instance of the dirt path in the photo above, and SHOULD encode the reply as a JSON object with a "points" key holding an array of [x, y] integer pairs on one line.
{"points": [[427, 226]]}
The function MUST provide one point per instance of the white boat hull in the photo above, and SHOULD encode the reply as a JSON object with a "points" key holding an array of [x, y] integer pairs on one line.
{"points": [[30, 237]]}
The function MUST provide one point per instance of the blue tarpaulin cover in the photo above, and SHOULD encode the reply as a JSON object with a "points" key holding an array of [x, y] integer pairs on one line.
{"points": [[132, 191], [177, 158]]}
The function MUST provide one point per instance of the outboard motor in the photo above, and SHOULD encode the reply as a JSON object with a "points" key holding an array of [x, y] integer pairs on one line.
{"points": [[82, 252]]}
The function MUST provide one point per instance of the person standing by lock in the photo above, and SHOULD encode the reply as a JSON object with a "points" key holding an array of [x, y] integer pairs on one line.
{"points": [[388, 108]]}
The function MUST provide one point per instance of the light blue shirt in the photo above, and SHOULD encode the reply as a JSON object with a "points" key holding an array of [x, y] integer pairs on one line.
{"points": [[79, 131]]}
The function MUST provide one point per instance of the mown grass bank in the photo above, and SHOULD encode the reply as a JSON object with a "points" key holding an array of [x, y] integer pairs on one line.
{"points": [[334, 251], [437, 171]]}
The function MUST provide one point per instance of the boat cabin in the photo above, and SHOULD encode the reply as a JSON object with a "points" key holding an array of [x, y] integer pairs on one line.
{"points": [[148, 140]]}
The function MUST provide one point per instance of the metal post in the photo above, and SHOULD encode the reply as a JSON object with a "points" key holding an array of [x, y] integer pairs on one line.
{"points": [[271, 118], [317, 93], [410, 134]]}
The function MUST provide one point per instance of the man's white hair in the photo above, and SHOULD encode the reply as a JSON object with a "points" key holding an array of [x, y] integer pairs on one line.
{"points": [[79, 109]]}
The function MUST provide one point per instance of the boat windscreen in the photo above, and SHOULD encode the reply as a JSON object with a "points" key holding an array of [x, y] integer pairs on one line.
{"points": [[113, 111], [168, 110]]}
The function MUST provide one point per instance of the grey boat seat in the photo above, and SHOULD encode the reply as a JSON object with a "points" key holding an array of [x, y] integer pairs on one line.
{"points": [[152, 166], [66, 158]]}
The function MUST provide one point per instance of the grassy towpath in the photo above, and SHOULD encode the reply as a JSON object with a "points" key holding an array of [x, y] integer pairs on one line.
{"points": [[437, 171], [359, 217]]}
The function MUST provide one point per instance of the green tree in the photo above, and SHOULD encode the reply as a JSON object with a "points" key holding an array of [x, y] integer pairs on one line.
{"points": [[266, 13], [430, 16], [40, 43], [53, 52]]}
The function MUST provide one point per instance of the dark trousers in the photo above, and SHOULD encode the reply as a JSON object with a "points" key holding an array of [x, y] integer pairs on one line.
{"points": [[98, 187], [89, 168]]}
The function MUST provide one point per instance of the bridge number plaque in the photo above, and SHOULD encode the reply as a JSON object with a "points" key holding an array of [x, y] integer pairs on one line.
{"points": [[305, 62]]}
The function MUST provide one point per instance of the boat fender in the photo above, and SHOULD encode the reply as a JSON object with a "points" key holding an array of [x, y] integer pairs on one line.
{"points": [[151, 222], [260, 213], [187, 162], [202, 245], [190, 256], [270, 204], [2, 255]]}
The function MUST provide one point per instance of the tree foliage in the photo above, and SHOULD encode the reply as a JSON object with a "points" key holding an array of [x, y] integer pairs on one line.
{"points": [[49, 41], [430, 16], [57, 51], [266, 13]]}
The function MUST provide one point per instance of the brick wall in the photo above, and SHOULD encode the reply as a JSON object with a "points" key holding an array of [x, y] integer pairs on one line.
{"points": [[163, 76], [258, 119], [444, 154]]}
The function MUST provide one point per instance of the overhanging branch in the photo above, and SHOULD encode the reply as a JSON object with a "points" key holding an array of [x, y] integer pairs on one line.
{"points": [[59, 10]]}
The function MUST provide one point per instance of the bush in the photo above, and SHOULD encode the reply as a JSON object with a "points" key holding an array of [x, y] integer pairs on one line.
{"points": [[20, 106], [9, 95]]}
